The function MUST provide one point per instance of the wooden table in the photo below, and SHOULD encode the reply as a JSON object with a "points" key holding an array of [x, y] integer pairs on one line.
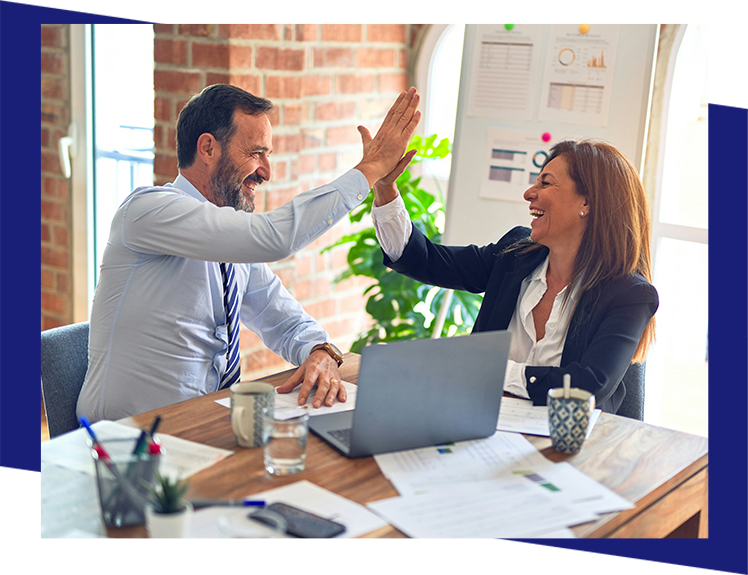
{"points": [[663, 472]]}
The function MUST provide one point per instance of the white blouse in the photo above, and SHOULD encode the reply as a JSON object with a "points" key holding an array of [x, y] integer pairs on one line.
{"points": [[393, 229]]}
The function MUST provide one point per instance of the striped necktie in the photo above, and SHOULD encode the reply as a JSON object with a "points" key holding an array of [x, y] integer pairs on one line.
{"points": [[231, 302]]}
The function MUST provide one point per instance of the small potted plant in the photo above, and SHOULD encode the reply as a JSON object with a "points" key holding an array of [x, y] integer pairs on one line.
{"points": [[168, 514]]}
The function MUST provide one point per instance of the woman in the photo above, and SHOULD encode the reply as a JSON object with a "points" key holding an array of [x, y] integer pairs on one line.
{"points": [[574, 289]]}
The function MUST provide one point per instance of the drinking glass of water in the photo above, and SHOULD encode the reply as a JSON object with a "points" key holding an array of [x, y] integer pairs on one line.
{"points": [[285, 444]]}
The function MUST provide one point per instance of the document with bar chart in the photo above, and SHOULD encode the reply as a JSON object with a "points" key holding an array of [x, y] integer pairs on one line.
{"points": [[505, 72], [513, 159], [578, 75]]}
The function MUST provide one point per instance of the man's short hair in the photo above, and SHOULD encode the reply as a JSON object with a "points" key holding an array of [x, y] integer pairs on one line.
{"points": [[212, 112]]}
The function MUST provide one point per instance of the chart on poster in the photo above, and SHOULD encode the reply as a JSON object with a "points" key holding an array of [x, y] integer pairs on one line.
{"points": [[524, 88]]}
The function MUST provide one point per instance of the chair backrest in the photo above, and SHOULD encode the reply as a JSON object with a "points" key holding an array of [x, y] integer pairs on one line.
{"points": [[633, 403], [64, 361]]}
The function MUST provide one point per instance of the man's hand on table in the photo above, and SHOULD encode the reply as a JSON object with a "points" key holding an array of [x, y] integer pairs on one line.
{"points": [[321, 370]]}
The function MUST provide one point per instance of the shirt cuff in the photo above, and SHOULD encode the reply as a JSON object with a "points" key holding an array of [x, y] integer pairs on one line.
{"points": [[514, 380]]}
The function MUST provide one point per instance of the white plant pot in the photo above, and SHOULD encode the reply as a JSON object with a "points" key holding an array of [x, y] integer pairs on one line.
{"points": [[168, 525]]}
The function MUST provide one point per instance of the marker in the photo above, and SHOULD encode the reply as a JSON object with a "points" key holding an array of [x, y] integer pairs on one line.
{"points": [[133, 495], [154, 427], [87, 424], [200, 503]]}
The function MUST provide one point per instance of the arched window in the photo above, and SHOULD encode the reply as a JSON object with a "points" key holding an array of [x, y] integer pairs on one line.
{"points": [[438, 79], [677, 370]]}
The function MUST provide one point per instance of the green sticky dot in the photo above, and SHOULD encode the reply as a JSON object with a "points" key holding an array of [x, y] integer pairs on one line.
{"points": [[508, 26]]}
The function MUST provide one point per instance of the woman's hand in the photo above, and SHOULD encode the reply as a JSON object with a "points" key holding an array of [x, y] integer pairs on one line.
{"points": [[385, 189]]}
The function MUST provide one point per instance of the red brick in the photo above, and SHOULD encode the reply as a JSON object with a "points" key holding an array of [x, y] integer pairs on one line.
{"points": [[375, 58], [321, 309], [342, 32], [48, 279], [61, 236], [336, 110], [271, 58], [210, 55], [315, 85], [280, 169], [63, 283], [52, 89], [250, 31], [352, 303], [355, 83], [44, 137], [259, 360], [55, 258], [177, 82], [291, 114], [53, 114], [306, 32], [53, 211], [165, 165], [403, 61], [162, 109], [282, 87], [332, 57], [338, 135], [276, 198], [167, 51], [286, 143], [51, 63], [248, 339], [303, 264], [328, 161], [217, 78], [305, 164], [393, 82], [240, 57], [311, 138], [386, 33], [54, 304], [46, 233], [252, 83], [51, 36], [201, 30], [163, 29], [339, 329]]}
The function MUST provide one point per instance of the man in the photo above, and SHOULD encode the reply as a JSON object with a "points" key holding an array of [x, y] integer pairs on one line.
{"points": [[180, 262]]}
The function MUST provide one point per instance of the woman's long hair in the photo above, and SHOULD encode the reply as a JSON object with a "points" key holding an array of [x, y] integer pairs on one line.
{"points": [[616, 242]]}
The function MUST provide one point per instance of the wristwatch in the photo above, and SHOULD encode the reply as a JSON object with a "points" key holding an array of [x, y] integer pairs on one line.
{"points": [[334, 352]]}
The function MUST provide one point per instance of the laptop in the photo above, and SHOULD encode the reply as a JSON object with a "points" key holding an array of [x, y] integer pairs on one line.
{"points": [[419, 393]]}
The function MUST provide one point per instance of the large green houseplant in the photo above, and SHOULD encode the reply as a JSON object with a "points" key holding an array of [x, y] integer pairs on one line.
{"points": [[400, 307]]}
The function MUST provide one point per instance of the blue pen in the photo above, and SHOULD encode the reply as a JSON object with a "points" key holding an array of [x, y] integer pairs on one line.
{"points": [[200, 503], [87, 424]]}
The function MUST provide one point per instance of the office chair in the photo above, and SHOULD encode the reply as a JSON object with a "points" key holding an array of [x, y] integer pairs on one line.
{"points": [[64, 361], [633, 403]]}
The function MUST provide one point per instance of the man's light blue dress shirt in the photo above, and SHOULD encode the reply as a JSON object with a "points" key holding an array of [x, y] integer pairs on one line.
{"points": [[158, 325]]}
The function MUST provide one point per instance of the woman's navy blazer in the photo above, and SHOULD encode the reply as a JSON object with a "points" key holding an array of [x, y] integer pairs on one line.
{"points": [[604, 330]]}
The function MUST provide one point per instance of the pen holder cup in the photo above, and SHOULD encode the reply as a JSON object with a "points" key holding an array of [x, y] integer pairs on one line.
{"points": [[569, 418], [122, 480]]}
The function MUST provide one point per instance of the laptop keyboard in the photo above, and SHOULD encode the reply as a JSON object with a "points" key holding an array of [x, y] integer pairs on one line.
{"points": [[342, 435]]}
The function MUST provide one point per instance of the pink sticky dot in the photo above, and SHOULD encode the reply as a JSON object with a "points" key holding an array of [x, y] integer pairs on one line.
{"points": [[546, 137]]}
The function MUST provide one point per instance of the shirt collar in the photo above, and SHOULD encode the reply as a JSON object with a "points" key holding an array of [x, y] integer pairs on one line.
{"points": [[184, 185]]}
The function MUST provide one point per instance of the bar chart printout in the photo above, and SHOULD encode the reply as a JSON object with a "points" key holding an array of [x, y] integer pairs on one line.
{"points": [[514, 159], [505, 72], [578, 74]]}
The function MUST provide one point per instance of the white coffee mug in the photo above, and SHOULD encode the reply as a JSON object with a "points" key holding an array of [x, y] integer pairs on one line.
{"points": [[251, 402]]}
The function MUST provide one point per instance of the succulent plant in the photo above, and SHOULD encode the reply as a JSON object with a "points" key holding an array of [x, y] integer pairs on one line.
{"points": [[167, 496]]}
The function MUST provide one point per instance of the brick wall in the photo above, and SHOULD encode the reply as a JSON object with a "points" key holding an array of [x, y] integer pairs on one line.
{"points": [[324, 80], [56, 257]]}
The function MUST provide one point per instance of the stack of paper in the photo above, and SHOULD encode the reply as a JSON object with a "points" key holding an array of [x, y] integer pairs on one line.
{"points": [[521, 416], [287, 404], [500, 486]]}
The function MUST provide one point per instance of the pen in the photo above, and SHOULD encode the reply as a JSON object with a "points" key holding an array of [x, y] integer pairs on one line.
{"points": [[200, 503], [154, 427], [133, 495], [140, 443]]}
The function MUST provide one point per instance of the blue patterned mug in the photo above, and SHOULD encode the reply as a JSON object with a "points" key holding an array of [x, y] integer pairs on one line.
{"points": [[251, 402], [569, 418]]}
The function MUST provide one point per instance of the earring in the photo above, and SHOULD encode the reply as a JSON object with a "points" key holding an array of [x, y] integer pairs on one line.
{"points": [[582, 214]]}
